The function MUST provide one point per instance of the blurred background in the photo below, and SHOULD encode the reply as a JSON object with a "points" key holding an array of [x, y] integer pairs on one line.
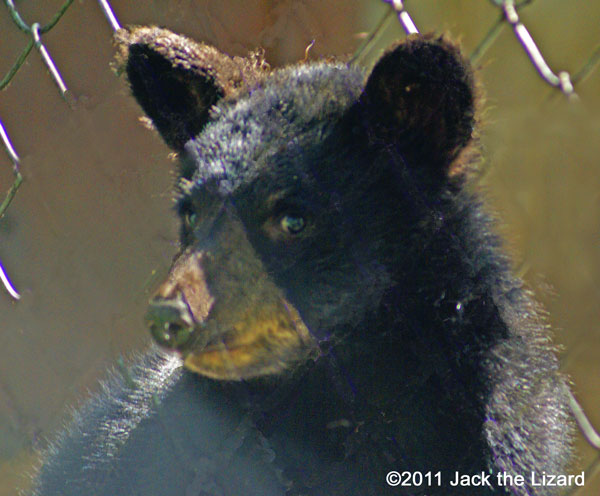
{"points": [[90, 230]]}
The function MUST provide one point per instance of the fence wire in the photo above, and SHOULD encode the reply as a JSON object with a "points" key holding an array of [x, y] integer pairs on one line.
{"points": [[508, 17], [34, 32]]}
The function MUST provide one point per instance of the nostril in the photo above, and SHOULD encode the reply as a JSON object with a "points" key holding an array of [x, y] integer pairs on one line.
{"points": [[170, 321], [170, 335]]}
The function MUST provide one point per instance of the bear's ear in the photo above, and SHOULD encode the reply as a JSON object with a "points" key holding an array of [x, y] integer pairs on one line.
{"points": [[420, 97], [177, 80]]}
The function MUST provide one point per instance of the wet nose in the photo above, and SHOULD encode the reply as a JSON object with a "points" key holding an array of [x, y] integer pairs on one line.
{"points": [[170, 320]]}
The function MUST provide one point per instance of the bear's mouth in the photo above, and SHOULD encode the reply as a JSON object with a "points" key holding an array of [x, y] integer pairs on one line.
{"points": [[232, 324], [266, 339]]}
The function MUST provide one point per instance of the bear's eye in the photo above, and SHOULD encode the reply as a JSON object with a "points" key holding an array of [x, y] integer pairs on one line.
{"points": [[190, 218], [292, 224]]}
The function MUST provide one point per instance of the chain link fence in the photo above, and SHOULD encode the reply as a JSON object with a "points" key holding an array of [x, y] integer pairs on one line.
{"points": [[85, 215]]}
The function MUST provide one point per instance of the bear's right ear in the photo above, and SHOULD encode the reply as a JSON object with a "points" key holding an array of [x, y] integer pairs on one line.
{"points": [[420, 97], [177, 80]]}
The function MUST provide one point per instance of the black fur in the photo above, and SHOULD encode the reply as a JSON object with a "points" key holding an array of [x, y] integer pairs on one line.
{"points": [[431, 354]]}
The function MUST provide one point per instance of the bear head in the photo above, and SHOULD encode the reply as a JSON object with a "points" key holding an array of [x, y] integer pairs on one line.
{"points": [[304, 193]]}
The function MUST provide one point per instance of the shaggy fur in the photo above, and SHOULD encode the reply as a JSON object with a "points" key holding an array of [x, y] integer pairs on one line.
{"points": [[425, 353]]}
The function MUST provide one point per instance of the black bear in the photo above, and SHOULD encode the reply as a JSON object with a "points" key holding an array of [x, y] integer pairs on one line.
{"points": [[346, 318]]}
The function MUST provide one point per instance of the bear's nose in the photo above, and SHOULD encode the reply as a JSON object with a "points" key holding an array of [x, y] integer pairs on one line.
{"points": [[170, 320]]}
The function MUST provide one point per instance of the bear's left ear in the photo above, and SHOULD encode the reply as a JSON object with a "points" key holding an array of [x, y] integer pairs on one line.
{"points": [[177, 80], [420, 97]]}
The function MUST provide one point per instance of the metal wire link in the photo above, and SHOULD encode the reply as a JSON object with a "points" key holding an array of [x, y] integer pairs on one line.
{"points": [[9, 147], [7, 284], [403, 16], [9, 196], [562, 80], [35, 31], [108, 12]]}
